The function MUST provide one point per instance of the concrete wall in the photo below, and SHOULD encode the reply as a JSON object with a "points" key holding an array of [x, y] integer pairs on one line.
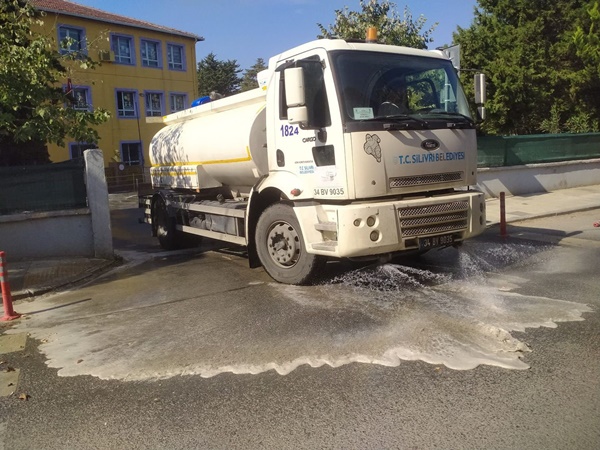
{"points": [[80, 232], [533, 178], [47, 234]]}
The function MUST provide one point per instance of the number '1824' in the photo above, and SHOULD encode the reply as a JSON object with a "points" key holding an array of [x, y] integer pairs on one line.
{"points": [[288, 130]]}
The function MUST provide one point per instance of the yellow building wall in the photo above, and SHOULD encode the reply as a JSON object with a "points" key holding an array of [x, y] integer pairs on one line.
{"points": [[109, 76]]}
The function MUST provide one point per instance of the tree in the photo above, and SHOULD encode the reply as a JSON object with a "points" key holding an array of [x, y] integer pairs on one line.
{"points": [[249, 79], [537, 80], [392, 29], [218, 76], [34, 109]]}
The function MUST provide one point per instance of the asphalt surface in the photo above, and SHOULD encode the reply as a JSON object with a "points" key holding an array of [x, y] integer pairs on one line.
{"points": [[164, 322]]}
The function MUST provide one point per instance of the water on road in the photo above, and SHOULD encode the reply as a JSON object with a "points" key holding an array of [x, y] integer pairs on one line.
{"points": [[211, 314]]}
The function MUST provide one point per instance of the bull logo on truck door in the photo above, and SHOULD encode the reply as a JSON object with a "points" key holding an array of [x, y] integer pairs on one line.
{"points": [[372, 146]]}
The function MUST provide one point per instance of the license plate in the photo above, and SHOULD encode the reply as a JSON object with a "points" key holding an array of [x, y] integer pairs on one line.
{"points": [[435, 241]]}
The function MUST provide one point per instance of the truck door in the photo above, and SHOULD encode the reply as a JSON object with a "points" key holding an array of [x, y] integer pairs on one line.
{"points": [[310, 150]]}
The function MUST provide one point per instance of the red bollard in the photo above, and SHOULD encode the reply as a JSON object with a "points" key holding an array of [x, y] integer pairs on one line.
{"points": [[503, 215], [9, 313]]}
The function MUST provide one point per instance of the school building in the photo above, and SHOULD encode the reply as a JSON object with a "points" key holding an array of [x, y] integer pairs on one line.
{"points": [[146, 70]]}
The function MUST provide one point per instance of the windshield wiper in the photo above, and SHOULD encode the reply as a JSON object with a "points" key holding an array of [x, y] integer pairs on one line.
{"points": [[461, 119], [398, 121]]}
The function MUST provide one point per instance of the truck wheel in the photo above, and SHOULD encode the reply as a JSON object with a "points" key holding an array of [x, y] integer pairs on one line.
{"points": [[280, 247], [165, 226]]}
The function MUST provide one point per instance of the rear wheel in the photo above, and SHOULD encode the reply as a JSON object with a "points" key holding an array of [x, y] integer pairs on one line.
{"points": [[165, 225], [280, 247], [169, 237]]}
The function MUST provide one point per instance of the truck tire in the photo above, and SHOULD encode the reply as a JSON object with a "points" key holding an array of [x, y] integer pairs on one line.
{"points": [[280, 247], [165, 225]]}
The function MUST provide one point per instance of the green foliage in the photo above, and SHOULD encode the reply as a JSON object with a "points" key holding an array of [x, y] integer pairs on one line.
{"points": [[32, 104], [249, 80], [392, 29], [218, 76], [581, 123], [541, 60], [552, 124]]}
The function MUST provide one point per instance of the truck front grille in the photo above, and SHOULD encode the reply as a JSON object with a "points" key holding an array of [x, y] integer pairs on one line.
{"points": [[433, 219], [422, 180]]}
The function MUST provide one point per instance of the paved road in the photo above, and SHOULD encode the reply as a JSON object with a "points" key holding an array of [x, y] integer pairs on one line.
{"points": [[496, 345]]}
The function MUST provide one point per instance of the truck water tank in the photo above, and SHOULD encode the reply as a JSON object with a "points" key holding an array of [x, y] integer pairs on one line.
{"points": [[223, 142]]}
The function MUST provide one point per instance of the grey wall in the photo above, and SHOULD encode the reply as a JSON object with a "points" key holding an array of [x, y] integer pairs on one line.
{"points": [[81, 232], [41, 235], [533, 178]]}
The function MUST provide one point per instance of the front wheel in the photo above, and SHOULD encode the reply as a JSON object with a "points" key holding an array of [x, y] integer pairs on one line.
{"points": [[280, 247]]}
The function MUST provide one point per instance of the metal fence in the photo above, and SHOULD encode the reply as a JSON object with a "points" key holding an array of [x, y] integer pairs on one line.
{"points": [[499, 151], [121, 178], [47, 187]]}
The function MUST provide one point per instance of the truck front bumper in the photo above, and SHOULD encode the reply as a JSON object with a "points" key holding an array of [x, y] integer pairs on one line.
{"points": [[375, 228]]}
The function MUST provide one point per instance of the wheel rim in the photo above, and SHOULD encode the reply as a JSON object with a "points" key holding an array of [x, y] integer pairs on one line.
{"points": [[283, 243]]}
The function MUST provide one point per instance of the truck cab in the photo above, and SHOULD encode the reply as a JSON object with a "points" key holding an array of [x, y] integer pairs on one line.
{"points": [[377, 146]]}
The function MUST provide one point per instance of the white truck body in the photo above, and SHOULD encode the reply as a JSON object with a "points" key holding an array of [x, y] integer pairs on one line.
{"points": [[362, 149]]}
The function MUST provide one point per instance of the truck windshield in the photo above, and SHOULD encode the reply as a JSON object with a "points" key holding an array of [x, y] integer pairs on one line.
{"points": [[374, 85]]}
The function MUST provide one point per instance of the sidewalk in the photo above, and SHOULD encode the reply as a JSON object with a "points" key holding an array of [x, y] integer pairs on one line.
{"points": [[37, 277], [32, 278]]}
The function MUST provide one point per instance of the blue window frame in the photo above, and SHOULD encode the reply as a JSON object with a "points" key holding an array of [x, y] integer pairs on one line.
{"points": [[71, 39], [123, 47], [80, 97], [176, 56], [151, 53], [178, 101], [76, 149], [155, 103], [127, 105], [131, 153]]}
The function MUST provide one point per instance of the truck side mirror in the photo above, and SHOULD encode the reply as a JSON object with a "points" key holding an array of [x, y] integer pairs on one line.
{"points": [[480, 94], [295, 94]]}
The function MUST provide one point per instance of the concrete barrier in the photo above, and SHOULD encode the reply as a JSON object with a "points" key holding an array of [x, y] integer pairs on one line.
{"points": [[537, 178], [78, 232]]}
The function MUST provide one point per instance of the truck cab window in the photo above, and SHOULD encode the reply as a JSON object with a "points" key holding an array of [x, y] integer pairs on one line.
{"points": [[316, 94], [377, 85]]}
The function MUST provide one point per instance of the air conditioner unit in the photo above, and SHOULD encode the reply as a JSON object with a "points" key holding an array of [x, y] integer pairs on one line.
{"points": [[106, 56]]}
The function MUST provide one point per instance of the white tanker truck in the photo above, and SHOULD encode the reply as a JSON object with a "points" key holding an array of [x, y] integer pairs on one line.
{"points": [[345, 150]]}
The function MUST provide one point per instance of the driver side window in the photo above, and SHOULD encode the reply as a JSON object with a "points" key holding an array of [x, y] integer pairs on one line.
{"points": [[316, 94]]}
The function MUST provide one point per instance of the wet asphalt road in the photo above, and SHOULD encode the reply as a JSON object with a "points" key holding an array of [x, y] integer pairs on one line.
{"points": [[207, 303]]}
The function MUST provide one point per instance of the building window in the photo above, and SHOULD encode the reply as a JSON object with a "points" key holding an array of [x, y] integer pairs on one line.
{"points": [[154, 104], [178, 101], [80, 98], [126, 104], [176, 56], [131, 153], [76, 149], [71, 39], [123, 48], [151, 54]]}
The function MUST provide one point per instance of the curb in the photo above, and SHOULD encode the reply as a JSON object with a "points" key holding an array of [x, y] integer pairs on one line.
{"points": [[545, 214]]}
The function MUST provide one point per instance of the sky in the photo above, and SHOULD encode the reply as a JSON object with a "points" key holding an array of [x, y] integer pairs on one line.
{"points": [[244, 30]]}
